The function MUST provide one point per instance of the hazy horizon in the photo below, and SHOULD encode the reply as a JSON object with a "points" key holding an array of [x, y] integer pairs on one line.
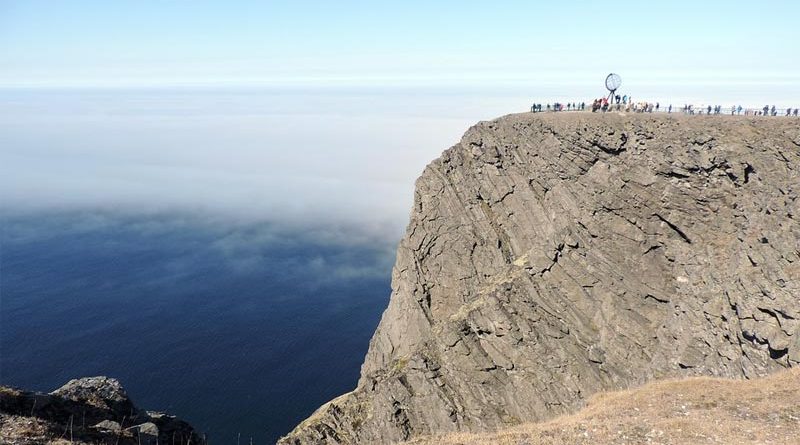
{"points": [[300, 156], [312, 43], [239, 109], [204, 199]]}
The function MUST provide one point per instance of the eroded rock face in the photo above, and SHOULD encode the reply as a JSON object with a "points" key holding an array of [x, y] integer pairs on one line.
{"points": [[90, 410], [101, 392], [549, 257]]}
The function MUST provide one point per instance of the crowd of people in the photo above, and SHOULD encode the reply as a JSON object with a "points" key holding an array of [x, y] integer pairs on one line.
{"points": [[571, 106], [767, 111], [737, 110], [626, 103]]}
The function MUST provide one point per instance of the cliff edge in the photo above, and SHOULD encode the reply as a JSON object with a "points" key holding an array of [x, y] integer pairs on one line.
{"points": [[90, 410], [553, 256]]}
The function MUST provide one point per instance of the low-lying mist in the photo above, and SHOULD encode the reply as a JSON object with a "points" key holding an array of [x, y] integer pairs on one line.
{"points": [[238, 328]]}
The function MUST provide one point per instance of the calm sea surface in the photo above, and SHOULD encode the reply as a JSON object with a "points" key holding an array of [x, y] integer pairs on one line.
{"points": [[226, 253], [237, 329]]}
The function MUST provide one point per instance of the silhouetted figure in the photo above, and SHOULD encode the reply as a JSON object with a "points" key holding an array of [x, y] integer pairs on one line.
{"points": [[669, 110], [709, 109], [739, 109], [795, 112], [583, 105], [766, 109]]}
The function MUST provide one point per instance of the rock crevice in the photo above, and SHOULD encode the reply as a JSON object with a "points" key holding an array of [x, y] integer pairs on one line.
{"points": [[549, 257]]}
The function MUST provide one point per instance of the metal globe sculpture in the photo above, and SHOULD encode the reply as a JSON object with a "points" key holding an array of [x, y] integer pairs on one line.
{"points": [[613, 81]]}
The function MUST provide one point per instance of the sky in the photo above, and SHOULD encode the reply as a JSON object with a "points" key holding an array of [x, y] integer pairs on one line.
{"points": [[158, 43], [326, 112], [305, 121]]}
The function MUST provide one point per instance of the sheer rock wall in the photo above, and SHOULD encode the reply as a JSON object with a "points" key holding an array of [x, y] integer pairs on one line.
{"points": [[551, 256]]}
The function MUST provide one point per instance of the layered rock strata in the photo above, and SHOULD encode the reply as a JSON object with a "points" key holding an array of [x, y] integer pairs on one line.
{"points": [[552, 256]]}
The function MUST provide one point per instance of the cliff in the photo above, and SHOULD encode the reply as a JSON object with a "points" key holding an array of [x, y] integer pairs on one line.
{"points": [[553, 256], [92, 410]]}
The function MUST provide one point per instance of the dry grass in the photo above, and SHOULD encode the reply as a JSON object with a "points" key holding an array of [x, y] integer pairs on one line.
{"points": [[675, 412], [17, 430]]}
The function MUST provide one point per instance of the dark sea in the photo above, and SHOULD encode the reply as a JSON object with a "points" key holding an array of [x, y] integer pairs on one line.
{"points": [[240, 329], [224, 252]]}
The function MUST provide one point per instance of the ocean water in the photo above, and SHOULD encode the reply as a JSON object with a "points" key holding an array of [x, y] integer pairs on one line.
{"points": [[225, 252], [239, 329]]}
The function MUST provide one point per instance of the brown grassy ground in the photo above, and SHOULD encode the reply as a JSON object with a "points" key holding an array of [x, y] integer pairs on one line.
{"points": [[686, 412]]}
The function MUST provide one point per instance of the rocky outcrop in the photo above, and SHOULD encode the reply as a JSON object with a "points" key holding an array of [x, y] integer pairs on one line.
{"points": [[92, 410], [553, 256]]}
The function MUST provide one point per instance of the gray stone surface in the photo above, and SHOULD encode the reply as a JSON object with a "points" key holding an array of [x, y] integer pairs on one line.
{"points": [[90, 410], [102, 392], [552, 256], [146, 433], [109, 425]]}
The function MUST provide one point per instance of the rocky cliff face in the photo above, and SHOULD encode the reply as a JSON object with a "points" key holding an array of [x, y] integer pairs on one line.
{"points": [[91, 410], [550, 257]]}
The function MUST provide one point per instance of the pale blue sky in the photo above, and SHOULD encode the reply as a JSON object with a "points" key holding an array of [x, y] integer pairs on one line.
{"points": [[112, 43], [326, 111]]}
